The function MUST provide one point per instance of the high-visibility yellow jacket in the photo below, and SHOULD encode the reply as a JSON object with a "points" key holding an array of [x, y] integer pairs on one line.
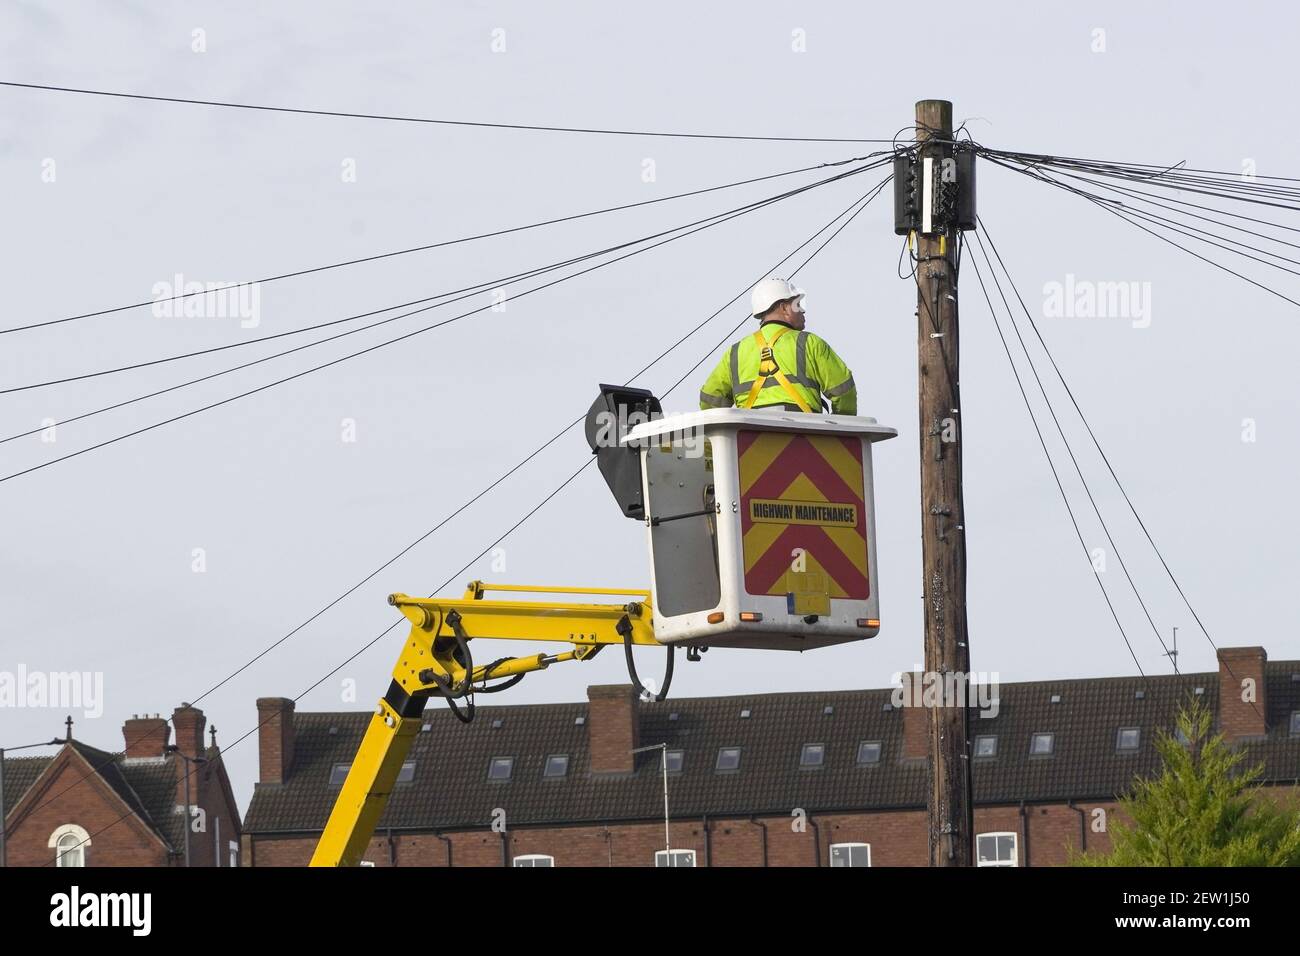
{"points": [[808, 364]]}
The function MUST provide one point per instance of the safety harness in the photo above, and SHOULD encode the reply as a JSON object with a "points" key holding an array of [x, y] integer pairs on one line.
{"points": [[768, 368]]}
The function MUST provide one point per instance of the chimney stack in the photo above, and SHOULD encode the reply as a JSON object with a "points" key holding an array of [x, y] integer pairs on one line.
{"points": [[146, 736], [1242, 696], [188, 722], [916, 718], [275, 738], [612, 728]]}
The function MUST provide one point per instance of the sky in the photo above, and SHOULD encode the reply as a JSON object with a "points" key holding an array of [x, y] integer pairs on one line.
{"points": [[165, 561]]}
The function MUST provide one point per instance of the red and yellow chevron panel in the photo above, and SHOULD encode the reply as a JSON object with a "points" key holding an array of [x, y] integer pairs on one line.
{"points": [[803, 492]]}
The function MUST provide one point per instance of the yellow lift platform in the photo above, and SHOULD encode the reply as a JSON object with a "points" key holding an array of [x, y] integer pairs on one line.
{"points": [[761, 528]]}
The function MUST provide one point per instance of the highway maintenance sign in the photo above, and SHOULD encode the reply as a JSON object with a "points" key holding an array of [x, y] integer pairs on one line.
{"points": [[802, 513]]}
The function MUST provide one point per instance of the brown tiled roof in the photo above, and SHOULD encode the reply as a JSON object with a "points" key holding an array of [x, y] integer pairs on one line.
{"points": [[20, 774], [451, 790], [110, 768]]}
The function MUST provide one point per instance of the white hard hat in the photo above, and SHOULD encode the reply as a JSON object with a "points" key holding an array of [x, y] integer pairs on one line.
{"points": [[771, 291]]}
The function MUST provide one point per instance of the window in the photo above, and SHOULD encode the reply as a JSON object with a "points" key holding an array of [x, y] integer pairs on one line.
{"points": [[68, 851], [675, 760], [499, 768], [533, 859], [869, 752], [339, 773], [850, 854], [812, 755], [557, 765], [234, 853], [996, 849], [986, 745], [1295, 723], [69, 843], [675, 858], [1041, 745], [728, 759], [1127, 738]]}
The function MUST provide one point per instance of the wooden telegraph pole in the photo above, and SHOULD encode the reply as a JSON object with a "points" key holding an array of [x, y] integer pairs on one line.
{"points": [[943, 541]]}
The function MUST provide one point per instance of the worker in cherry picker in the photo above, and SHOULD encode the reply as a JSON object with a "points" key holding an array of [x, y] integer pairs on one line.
{"points": [[780, 365]]}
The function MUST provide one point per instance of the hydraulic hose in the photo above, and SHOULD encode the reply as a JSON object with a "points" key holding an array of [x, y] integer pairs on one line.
{"points": [[624, 628]]}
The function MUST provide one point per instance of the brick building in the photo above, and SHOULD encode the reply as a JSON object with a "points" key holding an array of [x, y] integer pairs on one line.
{"points": [[88, 807], [794, 779]]}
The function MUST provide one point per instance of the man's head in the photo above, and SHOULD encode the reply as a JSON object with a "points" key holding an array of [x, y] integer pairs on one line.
{"points": [[778, 300]]}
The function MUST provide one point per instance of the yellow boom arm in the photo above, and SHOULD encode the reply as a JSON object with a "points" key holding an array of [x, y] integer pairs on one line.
{"points": [[435, 661]]}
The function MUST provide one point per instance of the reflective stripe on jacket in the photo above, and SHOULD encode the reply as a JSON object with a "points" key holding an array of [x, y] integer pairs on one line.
{"points": [[809, 364]]}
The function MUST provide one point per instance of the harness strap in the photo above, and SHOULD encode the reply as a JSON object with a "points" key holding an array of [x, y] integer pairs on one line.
{"points": [[768, 368]]}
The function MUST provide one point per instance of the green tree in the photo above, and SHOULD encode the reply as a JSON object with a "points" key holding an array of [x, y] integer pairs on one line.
{"points": [[1202, 809]]}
